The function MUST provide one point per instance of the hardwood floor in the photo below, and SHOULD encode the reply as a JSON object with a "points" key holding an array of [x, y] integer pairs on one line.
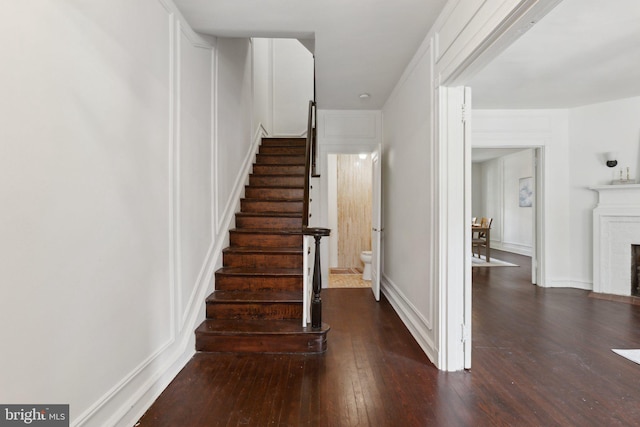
{"points": [[541, 357]]}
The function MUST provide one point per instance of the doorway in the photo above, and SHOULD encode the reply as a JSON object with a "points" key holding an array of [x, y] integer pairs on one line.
{"points": [[505, 187], [349, 204]]}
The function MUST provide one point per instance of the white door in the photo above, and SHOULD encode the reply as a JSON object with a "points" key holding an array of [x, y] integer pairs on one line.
{"points": [[376, 222]]}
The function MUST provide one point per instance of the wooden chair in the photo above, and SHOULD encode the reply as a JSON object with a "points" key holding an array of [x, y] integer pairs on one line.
{"points": [[479, 238]]}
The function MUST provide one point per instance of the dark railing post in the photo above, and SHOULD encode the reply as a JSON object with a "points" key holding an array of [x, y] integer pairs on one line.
{"points": [[316, 302]]}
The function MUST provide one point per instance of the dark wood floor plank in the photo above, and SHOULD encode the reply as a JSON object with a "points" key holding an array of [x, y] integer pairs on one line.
{"points": [[541, 357]]}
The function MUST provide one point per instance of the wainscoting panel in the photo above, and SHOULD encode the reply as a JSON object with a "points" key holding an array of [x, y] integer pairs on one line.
{"points": [[194, 168], [420, 327]]}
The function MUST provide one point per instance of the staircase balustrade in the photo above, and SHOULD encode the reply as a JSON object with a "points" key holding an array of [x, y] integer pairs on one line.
{"points": [[316, 232]]}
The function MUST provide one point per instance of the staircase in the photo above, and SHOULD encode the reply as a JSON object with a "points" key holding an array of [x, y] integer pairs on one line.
{"points": [[257, 302]]}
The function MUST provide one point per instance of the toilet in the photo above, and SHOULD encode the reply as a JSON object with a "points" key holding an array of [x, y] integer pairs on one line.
{"points": [[365, 256]]}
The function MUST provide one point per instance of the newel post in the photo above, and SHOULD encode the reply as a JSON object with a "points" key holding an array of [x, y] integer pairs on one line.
{"points": [[316, 302]]}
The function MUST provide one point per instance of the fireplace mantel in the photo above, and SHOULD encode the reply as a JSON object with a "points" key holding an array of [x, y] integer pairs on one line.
{"points": [[616, 226], [618, 195]]}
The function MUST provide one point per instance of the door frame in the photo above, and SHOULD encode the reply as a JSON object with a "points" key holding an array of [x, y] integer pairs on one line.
{"points": [[538, 167], [323, 196], [377, 225]]}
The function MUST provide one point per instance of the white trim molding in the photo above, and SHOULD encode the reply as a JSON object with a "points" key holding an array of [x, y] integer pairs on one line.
{"points": [[419, 326]]}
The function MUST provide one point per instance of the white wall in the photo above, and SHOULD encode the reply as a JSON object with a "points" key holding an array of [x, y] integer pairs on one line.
{"points": [[234, 123], [477, 197], [593, 131], [283, 86], [492, 173], [108, 181], [292, 87], [512, 226], [517, 221], [408, 206], [262, 76]]}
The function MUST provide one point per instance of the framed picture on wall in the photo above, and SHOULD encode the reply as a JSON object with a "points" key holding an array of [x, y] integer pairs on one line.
{"points": [[525, 193]]}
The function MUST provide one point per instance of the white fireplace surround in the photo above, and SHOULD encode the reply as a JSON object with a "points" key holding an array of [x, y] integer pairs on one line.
{"points": [[616, 226]]}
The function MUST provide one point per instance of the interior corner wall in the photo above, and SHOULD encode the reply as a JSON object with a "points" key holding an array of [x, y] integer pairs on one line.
{"points": [[109, 183]]}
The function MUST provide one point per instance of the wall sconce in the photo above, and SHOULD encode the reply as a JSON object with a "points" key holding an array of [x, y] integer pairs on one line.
{"points": [[611, 159]]}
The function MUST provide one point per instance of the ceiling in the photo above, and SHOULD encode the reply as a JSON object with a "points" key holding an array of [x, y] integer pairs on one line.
{"points": [[361, 46], [582, 52]]}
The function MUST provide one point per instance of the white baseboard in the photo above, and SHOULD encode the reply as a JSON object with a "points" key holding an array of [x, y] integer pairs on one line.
{"points": [[415, 322], [513, 248], [568, 283]]}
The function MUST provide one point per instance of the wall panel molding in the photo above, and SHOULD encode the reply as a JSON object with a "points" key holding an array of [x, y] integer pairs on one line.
{"points": [[205, 273], [129, 398], [175, 179]]}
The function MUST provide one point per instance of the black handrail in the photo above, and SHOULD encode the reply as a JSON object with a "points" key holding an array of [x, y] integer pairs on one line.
{"points": [[307, 162]]}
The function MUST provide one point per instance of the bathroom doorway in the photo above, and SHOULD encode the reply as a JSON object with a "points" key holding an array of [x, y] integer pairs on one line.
{"points": [[349, 215]]}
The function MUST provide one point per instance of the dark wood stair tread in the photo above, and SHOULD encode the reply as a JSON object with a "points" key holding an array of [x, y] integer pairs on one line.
{"points": [[258, 327], [288, 175], [265, 231], [250, 297], [273, 200], [274, 272], [259, 336], [279, 187], [271, 214], [263, 250], [288, 156], [284, 141]]}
